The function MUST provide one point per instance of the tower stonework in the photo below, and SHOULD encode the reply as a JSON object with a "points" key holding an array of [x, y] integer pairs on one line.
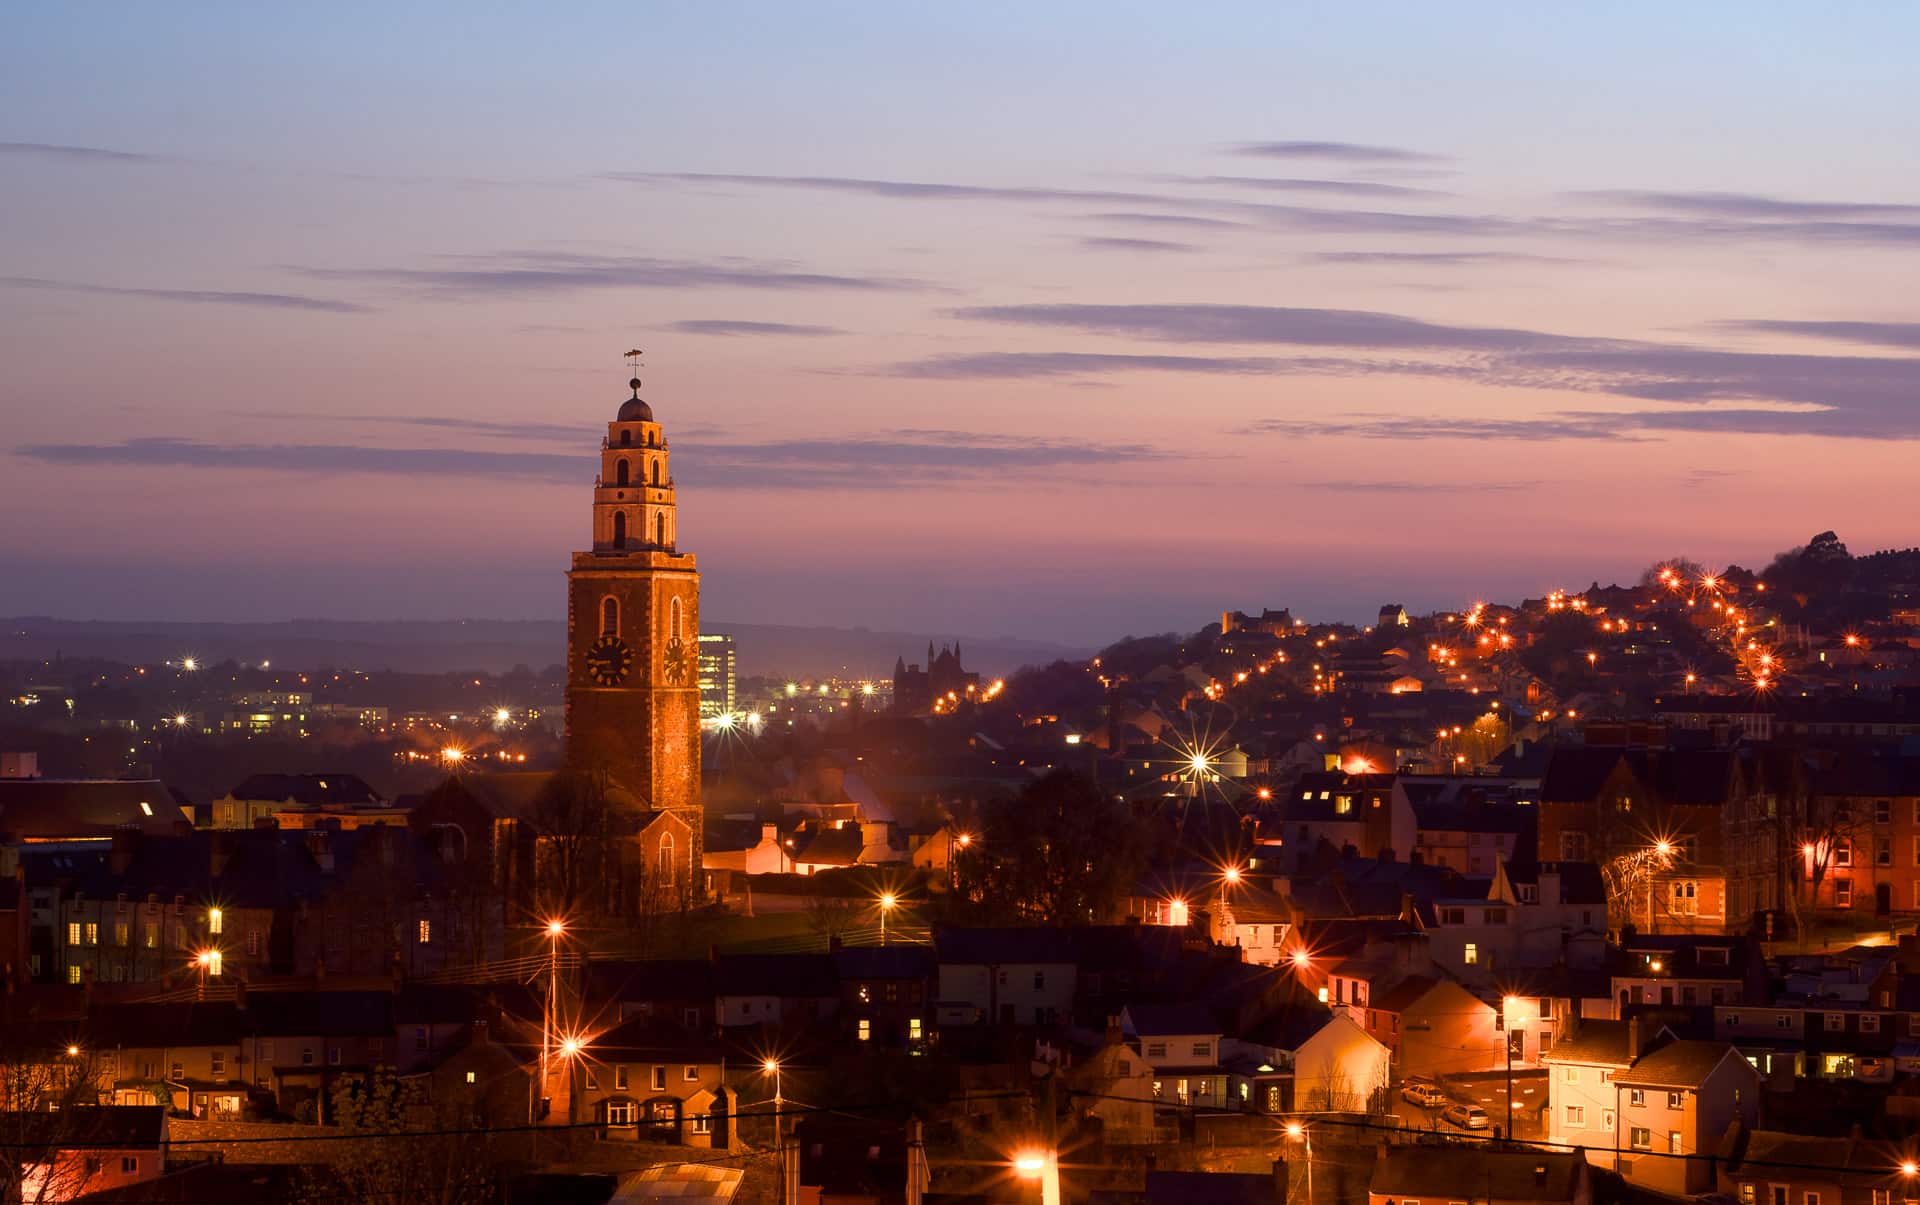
{"points": [[633, 632]]}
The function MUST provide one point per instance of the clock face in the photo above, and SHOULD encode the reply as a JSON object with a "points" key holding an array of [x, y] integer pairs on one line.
{"points": [[609, 660], [676, 661]]}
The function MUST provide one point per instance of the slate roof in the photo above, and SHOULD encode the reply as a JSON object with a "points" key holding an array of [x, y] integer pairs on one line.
{"points": [[1209, 1188], [785, 975], [1094, 948], [1595, 1042], [651, 1040], [886, 962], [1687, 777], [125, 1127], [831, 846], [331, 1014], [1681, 1064], [307, 790], [1403, 994], [1580, 882], [1475, 1173], [656, 979], [52, 808], [1164, 1020]]}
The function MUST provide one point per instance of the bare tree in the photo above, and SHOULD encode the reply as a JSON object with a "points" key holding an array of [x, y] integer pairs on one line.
{"points": [[401, 1145], [49, 1115]]}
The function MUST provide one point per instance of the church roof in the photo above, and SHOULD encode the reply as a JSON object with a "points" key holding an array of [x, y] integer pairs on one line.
{"points": [[633, 410]]}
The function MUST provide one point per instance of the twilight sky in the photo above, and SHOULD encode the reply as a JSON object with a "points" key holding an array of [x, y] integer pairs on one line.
{"points": [[1065, 320]]}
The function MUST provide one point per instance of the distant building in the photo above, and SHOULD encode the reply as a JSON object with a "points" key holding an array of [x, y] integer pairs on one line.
{"points": [[267, 796], [268, 711], [943, 684], [1273, 623], [1393, 615], [717, 673]]}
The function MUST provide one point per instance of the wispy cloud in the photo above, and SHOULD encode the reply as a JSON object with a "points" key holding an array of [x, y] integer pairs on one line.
{"points": [[1714, 390], [1744, 205], [736, 326], [532, 273], [1422, 487], [1014, 365], [1257, 324], [1405, 427], [81, 154], [275, 301], [899, 190], [1344, 188], [1135, 244], [1446, 259], [897, 459], [164, 452], [576, 434], [1345, 152], [1168, 219], [1874, 334]]}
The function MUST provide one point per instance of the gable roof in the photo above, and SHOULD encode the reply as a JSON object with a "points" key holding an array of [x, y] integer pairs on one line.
{"points": [[1476, 1173], [785, 975], [52, 808], [1169, 1020], [307, 790], [1601, 1042], [1683, 1064]]}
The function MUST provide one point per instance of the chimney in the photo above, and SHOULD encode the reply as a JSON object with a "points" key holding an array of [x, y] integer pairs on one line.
{"points": [[126, 842], [219, 852], [770, 832], [479, 1032], [1115, 1036], [1633, 1037]]}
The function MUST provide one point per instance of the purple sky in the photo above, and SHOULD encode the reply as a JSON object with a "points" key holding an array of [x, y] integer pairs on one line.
{"points": [[1067, 323]]}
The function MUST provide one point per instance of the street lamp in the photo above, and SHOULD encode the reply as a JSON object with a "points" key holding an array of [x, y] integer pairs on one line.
{"points": [[1298, 1132], [887, 901], [1043, 1166]]}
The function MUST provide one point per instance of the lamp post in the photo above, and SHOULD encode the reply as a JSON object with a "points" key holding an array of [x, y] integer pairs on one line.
{"points": [[556, 928], [1044, 1166], [887, 902], [1298, 1131], [772, 1067], [1507, 1004]]}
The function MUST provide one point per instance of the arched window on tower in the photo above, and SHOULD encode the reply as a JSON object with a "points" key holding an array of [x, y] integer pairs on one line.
{"points": [[653, 439], [619, 530], [673, 621], [620, 473], [664, 870], [626, 439], [609, 616], [656, 472], [660, 530]]}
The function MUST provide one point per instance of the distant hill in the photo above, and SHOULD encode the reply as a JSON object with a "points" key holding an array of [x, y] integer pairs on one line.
{"points": [[487, 645]]}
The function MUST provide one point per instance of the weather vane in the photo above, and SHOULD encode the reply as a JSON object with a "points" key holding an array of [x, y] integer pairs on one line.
{"points": [[633, 367]]}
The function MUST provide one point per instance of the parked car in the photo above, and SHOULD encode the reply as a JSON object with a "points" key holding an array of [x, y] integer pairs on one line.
{"points": [[1468, 1117], [1424, 1093]]}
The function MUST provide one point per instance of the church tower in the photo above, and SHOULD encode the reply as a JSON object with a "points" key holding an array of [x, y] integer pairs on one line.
{"points": [[633, 632]]}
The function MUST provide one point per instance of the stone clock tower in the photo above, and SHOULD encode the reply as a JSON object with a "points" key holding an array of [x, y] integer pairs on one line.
{"points": [[633, 631]]}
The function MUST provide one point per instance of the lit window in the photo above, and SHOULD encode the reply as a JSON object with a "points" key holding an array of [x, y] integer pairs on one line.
{"points": [[913, 1028], [214, 918], [426, 932], [73, 933], [1472, 954], [866, 1029], [471, 1077], [659, 1079], [73, 974], [213, 962]]}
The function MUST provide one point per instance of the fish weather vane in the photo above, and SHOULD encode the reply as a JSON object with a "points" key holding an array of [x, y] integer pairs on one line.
{"points": [[633, 369]]}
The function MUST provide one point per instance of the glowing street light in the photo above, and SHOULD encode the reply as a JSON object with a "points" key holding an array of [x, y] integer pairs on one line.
{"points": [[1043, 1166], [1302, 959], [180, 721], [453, 755], [190, 664], [73, 1052], [501, 715], [1909, 1168], [1232, 875], [887, 902], [1298, 1133]]}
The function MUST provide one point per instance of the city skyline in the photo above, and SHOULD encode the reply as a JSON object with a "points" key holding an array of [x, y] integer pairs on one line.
{"points": [[1034, 324]]}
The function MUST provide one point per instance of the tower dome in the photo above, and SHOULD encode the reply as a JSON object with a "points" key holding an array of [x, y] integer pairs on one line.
{"points": [[633, 410]]}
